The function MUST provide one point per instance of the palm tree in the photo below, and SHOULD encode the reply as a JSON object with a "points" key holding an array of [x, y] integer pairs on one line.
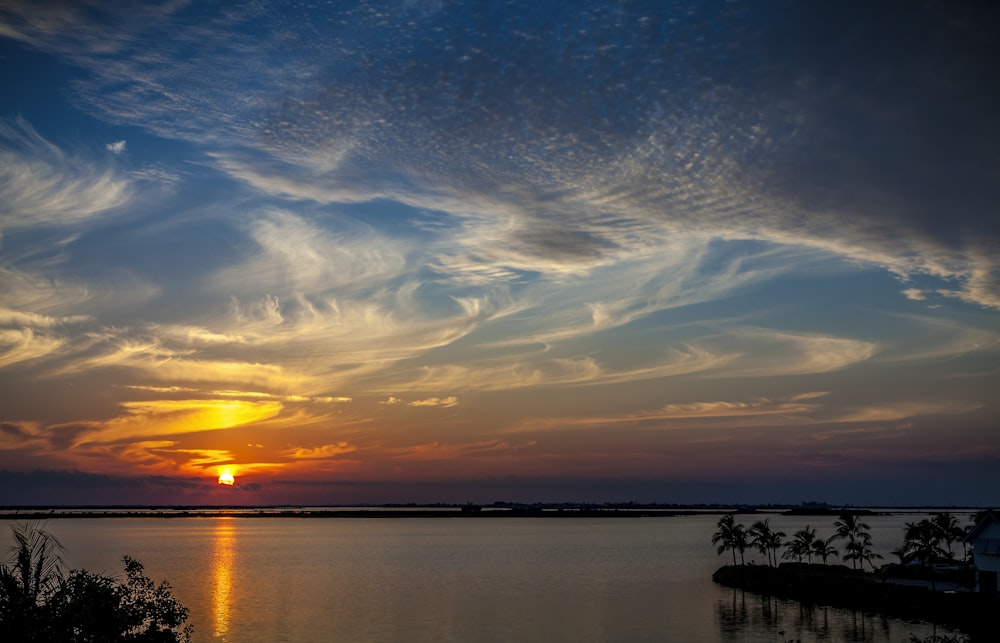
{"points": [[824, 548], [851, 528], [766, 540], [860, 550], [922, 541], [801, 544], [726, 537], [948, 531], [34, 567], [741, 540]]}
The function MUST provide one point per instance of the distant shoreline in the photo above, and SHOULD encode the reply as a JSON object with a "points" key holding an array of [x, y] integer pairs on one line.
{"points": [[512, 510], [350, 513]]}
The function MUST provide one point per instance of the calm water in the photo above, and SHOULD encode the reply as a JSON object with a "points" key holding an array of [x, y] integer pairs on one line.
{"points": [[469, 579]]}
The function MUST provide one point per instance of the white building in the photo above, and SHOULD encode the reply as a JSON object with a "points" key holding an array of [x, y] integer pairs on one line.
{"points": [[985, 541]]}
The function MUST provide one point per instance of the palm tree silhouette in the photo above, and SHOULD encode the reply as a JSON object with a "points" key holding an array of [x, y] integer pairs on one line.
{"points": [[824, 548], [860, 550], [948, 531], [35, 567], [851, 528], [766, 540], [922, 541], [730, 536], [801, 544]]}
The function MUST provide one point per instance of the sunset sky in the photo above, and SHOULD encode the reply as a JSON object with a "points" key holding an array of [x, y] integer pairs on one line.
{"points": [[420, 250]]}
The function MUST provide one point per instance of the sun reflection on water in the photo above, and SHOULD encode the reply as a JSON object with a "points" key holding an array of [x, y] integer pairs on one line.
{"points": [[222, 565]]}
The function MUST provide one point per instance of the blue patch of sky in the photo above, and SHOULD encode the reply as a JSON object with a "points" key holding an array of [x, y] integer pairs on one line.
{"points": [[21, 69], [398, 219]]}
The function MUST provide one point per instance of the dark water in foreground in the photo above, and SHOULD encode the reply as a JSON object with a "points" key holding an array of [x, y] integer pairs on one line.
{"points": [[468, 579]]}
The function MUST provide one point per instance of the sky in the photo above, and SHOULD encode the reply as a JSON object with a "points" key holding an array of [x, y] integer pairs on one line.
{"points": [[432, 251]]}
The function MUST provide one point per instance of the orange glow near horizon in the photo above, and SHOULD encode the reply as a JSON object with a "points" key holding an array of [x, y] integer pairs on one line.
{"points": [[226, 478]]}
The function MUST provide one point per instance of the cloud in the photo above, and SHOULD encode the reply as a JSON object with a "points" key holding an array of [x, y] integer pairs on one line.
{"points": [[151, 357], [771, 353], [511, 373], [24, 345], [739, 352], [929, 338], [22, 435], [27, 336], [322, 452], [176, 417], [798, 409], [679, 154], [893, 412], [802, 410], [324, 399], [796, 405], [443, 402], [456, 451], [299, 257], [41, 185], [365, 212]]}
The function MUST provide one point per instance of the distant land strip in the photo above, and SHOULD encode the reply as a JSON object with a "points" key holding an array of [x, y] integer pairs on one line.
{"points": [[349, 513], [437, 510]]}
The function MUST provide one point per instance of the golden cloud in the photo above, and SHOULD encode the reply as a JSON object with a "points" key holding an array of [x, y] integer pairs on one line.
{"points": [[174, 417]]}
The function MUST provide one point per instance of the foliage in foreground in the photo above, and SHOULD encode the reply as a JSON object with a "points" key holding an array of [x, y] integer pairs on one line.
{"points": [[40, 601]]}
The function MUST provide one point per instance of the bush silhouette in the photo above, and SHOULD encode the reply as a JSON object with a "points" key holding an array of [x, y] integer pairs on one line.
{"points": [[39, 601]]}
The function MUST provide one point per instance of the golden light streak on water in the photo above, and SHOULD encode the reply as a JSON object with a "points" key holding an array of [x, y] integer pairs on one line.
{"points": [[222, 565]]}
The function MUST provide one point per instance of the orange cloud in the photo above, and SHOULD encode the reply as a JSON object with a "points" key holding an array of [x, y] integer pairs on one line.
{"points": [[173, 417], [321, 452]]}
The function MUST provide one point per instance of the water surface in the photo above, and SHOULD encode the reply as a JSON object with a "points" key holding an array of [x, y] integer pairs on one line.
{"points": [[464, 579]]}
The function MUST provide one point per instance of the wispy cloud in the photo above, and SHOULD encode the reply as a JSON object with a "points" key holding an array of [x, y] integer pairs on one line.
{"points": [[251, 395], [40, 184], [326, 234], [443, 402], [321, 452], [798, 409], [904, 410], [175, 417], [767, 352], [299, 257], [25, 344]]}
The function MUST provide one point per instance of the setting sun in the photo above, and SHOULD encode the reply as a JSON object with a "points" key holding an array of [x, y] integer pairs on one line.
{"points": [[226, 478]]}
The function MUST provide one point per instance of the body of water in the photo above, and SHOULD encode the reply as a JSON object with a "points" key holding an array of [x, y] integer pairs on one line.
{"points": [[465, 579]]}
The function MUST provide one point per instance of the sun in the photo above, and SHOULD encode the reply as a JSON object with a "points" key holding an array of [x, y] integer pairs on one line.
{"points": [[226, 478]]}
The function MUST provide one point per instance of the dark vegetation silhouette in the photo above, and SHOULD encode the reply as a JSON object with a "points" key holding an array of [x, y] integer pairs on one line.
{"points": [[41, 601], [730, 537], [857, 533], [927, 553]]}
